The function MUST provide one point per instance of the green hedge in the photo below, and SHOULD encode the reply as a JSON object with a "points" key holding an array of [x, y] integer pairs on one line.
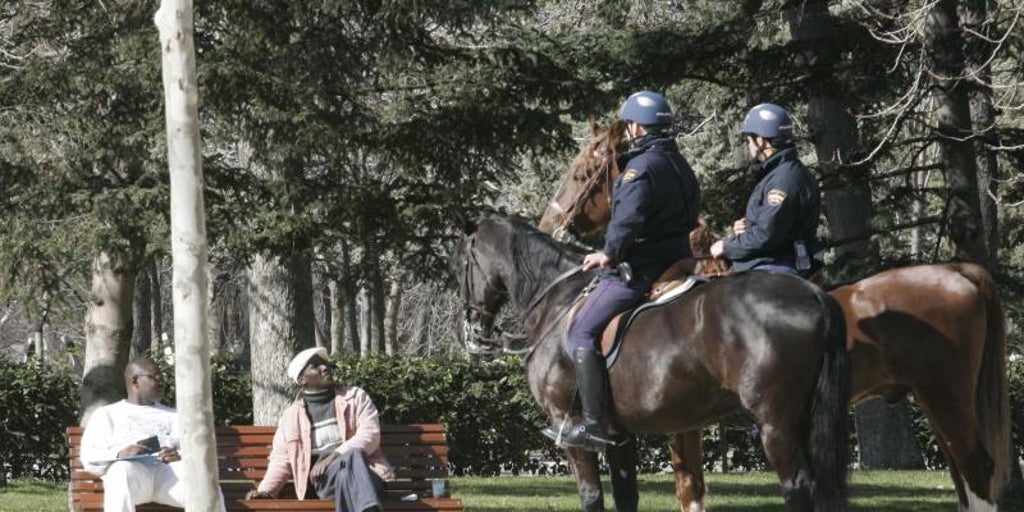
{"points": [[37, 404], [492, 419]]}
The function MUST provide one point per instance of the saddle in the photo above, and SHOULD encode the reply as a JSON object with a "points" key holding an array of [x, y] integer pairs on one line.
{"points": [[672, 284]]}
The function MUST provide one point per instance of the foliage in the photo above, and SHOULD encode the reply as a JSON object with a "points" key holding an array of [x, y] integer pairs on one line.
{"points": [[493, 423], [231, 383], [38, 403]]}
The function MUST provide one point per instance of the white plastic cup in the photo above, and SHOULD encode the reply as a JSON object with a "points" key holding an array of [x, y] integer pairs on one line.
{"points": [[437, 488]]}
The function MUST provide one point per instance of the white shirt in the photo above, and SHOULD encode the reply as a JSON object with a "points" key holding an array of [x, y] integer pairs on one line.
{"points": [[118, 425]]}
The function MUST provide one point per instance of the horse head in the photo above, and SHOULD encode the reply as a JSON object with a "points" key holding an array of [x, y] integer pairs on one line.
{"points": [[481, 289], [581, 206]]}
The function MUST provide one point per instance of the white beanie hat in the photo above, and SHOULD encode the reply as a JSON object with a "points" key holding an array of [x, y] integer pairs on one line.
{"points": [[300, 361]]}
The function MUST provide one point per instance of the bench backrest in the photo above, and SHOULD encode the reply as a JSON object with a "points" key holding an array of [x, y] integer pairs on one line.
{"points": [[419, 453]]}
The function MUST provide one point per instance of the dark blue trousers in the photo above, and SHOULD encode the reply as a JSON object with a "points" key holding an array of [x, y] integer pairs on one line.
{"points": [[609, 298]]}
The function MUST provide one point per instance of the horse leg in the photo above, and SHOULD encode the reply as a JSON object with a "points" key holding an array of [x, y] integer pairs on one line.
{"points": [[622, 464], [588, 478], [687, 464], [971, 466], [782, 447]]}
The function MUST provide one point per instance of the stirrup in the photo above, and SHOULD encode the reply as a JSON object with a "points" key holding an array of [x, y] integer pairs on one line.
{"points": [[590, 442]]}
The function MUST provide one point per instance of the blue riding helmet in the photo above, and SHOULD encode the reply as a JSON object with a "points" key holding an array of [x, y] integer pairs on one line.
{"points": [[770, 121], [647, 108]]}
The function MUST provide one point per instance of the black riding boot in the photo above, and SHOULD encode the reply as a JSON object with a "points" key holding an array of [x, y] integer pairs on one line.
{"points": [[592, 380]]}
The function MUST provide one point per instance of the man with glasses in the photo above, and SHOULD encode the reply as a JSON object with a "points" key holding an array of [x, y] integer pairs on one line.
{"points": [[329, 437], [133, 444]]}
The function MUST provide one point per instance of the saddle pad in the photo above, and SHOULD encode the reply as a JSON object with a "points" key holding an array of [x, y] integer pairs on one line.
{"points": [[611, 340]]}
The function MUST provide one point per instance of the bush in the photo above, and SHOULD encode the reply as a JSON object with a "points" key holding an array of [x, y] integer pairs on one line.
{"points": [[38, 402], [493, 422], [231, 383]]}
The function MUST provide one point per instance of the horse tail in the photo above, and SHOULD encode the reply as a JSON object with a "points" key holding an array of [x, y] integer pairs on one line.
{"points": [[993, 402], [828, 414]]}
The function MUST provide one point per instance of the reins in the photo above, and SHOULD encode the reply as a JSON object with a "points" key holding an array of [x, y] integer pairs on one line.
{"points": [[603, 176], [540, 296]]}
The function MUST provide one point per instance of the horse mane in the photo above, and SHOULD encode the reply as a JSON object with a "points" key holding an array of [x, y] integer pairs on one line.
{"points": [[535, 255]]}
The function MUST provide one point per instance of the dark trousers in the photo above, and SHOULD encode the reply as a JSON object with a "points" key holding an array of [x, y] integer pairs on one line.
{"points": [[609, 298], [355, 488]]}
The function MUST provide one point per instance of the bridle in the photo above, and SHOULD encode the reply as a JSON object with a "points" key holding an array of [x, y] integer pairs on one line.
{"points": [[565, 230], [466, 290]]}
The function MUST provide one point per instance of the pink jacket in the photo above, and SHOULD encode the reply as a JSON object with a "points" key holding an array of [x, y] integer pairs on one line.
{"points": [[291, 453]]}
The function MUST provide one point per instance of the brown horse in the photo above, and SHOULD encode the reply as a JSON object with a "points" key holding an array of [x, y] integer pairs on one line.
{"points": [[936, 331], [593, 170], [769, 344]]}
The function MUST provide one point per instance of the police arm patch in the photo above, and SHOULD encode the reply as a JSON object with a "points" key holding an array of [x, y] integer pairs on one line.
{"points": [[776, 197], [630, 175]]}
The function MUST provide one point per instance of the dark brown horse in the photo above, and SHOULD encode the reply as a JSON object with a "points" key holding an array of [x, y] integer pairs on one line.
{"points": [[936, 331], [769, 344]]}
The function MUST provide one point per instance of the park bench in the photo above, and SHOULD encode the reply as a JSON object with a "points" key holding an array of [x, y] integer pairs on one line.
{"points": [[419, 454]]}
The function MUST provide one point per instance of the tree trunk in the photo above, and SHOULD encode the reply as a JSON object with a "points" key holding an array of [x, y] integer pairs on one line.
{"points": [[945, 50], [364, 322], [281, 324], [156, 304], [394, 304], [216, 320], [193, 389], [882, 436], [337, 310], [142, 308], [350, 292], [977, 53], [108, 333], [322, 311], [379, 311]]}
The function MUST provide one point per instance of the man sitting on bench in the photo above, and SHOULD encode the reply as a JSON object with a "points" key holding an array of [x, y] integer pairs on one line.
{"points": [[133, 444], [329, 436]]}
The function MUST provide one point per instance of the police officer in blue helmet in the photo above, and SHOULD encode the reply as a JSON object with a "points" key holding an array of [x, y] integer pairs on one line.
{"points": [[655, 203], [779, 231]]}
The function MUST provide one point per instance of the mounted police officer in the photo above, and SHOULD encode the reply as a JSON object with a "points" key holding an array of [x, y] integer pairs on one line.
{"points": [[655, 203], [779, 231]]}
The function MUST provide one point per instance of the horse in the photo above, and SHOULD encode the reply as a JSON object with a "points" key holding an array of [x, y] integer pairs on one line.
{"points": [[934, 331], [768, 344]]}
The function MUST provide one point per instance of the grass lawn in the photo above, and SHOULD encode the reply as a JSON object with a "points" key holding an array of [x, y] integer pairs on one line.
{"points": [[24, 495], [889, 491]]}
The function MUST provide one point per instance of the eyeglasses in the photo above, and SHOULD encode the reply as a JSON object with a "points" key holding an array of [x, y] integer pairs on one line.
{"points": [[158, 378]]}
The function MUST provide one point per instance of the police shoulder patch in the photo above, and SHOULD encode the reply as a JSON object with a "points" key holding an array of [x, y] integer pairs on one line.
{"points": [[630, 175], [776, 197]]}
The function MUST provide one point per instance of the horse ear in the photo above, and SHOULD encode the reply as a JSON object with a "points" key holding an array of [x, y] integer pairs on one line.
{"points": [[464, 221], [616, 132]]}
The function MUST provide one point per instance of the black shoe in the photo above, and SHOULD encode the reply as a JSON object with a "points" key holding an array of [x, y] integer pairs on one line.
{"points": [[590, 439], [592, 381]]}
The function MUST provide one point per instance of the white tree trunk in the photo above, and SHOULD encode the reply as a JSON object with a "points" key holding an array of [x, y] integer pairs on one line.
{"points": [[394, 304], [108, 333], [188, 247], [337, 317]]}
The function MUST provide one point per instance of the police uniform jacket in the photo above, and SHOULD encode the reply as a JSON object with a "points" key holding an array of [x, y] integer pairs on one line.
{"points": [[655, 203], [784, 208]]}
